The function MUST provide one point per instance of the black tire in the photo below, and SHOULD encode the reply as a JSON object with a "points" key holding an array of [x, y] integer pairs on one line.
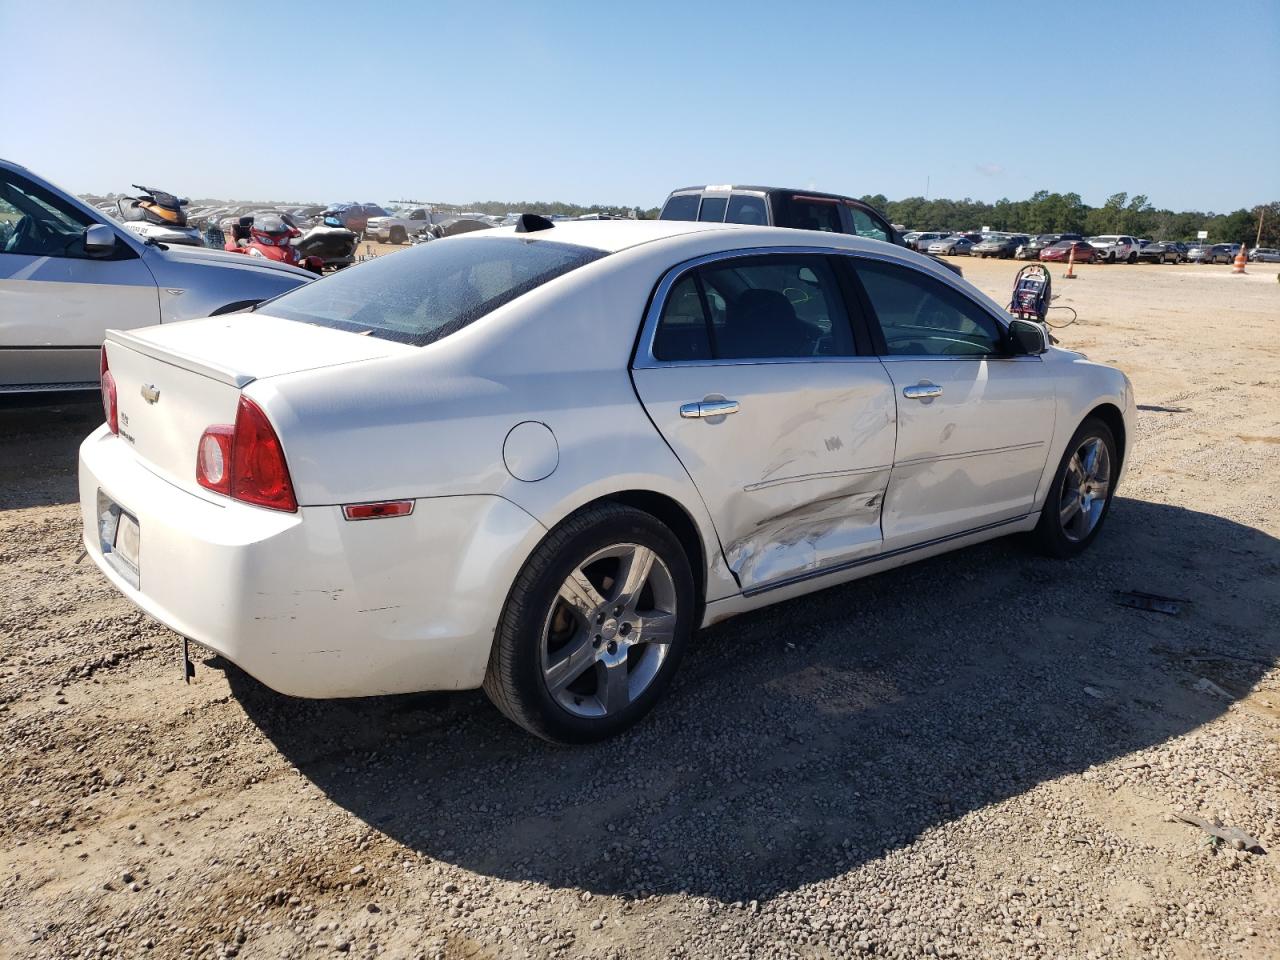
{"points": [[1049, 534], [514, 680], [397, 236], [1133, 257]]}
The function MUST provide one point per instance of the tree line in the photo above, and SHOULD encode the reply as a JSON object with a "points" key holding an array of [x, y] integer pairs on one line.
{"points": [[1047, 212]]}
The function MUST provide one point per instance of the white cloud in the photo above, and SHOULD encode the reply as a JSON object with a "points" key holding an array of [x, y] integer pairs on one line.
{"points": [[989, 169]]}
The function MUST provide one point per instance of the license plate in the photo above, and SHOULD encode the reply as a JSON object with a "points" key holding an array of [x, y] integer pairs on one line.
{"points": [[127, 541]]}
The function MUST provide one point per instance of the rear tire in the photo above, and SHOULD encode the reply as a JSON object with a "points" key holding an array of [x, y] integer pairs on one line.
{"points": [[1080, 496], [585, 647]]}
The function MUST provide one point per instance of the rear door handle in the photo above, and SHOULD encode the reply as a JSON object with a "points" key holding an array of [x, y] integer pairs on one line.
{"points": [[708, 408], [922, 390]]}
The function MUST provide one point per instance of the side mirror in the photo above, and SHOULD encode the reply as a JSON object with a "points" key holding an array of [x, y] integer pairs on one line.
{"points": [[1027, 338], [99, 240]]}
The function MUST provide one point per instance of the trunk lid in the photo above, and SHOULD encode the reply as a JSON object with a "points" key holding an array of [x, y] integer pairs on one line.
{"points": [[176, 380]]}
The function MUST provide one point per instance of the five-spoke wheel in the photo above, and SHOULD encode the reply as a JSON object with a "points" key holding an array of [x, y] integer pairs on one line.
{"points": [[594, 626], [1081, 493]]}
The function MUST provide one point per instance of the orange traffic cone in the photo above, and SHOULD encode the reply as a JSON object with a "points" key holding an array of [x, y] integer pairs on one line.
{"points": [[1241, 259], [1071, 264]]}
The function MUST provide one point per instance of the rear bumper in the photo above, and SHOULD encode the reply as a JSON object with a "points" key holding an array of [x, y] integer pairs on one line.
{"points": [[309, 603]]}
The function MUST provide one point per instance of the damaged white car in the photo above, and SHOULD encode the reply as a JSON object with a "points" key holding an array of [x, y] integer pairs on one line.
{"points": [[539, 459]]}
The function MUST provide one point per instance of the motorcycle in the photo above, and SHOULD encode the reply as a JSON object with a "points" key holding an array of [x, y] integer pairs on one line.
{"points": [[330, 241], [269, 236], [157, 215]]}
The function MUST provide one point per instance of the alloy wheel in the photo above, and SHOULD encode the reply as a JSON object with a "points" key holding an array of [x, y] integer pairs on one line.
{"points": [[1085, 486], [609, 630]]}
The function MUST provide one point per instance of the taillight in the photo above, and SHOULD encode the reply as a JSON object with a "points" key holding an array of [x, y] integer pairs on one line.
{"points": [[108, 383], [213, 459], [246, 461]]}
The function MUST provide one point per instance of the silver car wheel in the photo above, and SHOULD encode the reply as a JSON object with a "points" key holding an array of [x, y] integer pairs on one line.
{"points": [[1085, 486], [609, 630]]}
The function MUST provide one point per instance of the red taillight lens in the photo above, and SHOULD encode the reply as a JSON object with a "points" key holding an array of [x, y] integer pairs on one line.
{"points": [[109, 408], [258, 471], [246, 461]]}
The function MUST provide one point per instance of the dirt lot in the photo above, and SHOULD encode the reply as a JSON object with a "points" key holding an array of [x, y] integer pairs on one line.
{"points": [[977, 756]]}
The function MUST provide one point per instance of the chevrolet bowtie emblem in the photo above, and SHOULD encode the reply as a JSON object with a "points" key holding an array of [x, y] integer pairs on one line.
{"points": [[150, 392]]}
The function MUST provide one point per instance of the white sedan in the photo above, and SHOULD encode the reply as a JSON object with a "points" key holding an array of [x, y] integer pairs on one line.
{"points": [[538, 459]]}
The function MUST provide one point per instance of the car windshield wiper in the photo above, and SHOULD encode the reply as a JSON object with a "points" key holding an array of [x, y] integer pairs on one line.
{"points": [[153, 242]]}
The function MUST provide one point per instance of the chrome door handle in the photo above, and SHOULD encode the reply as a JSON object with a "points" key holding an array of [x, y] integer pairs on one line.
{"points": [[922, 391], [708, 408]]}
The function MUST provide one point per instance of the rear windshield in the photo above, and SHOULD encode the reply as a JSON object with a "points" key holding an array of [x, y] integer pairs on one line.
{"points": [[424, 294]]}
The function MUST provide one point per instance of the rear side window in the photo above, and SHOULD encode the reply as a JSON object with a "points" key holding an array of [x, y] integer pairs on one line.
{"points": [[681, 206], [747, 209], [424, 294], [712, 209], [755, 308]]}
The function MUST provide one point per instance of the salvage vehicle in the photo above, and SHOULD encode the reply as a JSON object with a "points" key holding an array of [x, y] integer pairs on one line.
{"points": [[270, 236], [354, 216], [1031, 249], [537, 459], [1115, 248], [1264, 255], [397, 229], [1161, 251], [158, 215], [958, 244], [1078, 251], [68, 272], [1002, 245], [778, 207]]}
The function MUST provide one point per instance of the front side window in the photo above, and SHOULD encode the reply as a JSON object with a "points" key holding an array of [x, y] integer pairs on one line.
{"points": [[744, 208], [424, 294], [921, 316], [782, 306], [681, 206], [37, 223], [864, 225]]}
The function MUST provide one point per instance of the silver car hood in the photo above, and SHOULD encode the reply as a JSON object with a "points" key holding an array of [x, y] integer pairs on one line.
{"points": [[241, 261]]}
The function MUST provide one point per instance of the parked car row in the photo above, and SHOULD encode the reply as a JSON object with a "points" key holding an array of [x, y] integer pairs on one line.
{"points": [[1104, 248]]}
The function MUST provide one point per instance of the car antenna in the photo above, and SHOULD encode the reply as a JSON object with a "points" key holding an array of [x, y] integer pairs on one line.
{"points": [[531, 223]]}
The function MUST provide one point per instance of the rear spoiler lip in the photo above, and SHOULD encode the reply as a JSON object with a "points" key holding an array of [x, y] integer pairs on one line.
{"points": [[179, 359]]}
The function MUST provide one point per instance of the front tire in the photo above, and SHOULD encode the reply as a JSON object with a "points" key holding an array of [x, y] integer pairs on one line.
{"points": [[594, 626], [397, 236], [1080, 496]]}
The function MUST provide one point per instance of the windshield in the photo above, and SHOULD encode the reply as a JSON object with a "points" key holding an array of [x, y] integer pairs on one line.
{"points": [[426, 293]]}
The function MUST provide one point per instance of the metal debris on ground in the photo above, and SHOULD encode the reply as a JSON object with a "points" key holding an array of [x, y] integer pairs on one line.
{"points": [[1205, 685], [1153, 602], [1232, 836]]}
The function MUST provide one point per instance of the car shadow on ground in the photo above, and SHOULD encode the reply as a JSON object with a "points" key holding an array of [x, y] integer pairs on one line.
{"points": [[805, 739], [39, 439]]}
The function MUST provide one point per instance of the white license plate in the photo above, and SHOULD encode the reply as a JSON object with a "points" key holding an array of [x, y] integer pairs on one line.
{"points": [[127, 542]]}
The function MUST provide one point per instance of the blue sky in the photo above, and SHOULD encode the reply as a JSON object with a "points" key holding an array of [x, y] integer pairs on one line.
{"points": [[618, 103]]}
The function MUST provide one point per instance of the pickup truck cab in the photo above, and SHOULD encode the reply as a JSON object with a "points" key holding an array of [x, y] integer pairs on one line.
{"points": [[396, 228], [778, 207]]}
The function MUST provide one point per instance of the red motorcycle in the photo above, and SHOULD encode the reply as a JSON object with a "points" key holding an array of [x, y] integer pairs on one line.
{"points": [[271, 237]]}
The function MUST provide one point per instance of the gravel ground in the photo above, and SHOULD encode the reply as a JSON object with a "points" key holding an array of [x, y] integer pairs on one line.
{"points": [[981, 755]]}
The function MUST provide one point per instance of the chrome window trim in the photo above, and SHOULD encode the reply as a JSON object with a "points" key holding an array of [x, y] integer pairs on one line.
{"points": [[645, 360]]}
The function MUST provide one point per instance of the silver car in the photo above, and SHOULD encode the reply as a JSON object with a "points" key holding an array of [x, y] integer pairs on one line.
{"points": [[954, 246], [68, 273]]}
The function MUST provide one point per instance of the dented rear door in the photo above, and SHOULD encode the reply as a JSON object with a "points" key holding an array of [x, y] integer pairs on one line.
{"points": [[792, 454]]}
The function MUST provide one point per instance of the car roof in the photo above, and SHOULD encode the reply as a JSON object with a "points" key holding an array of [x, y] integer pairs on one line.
{"points": [[614, 235], [724, 187]]}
